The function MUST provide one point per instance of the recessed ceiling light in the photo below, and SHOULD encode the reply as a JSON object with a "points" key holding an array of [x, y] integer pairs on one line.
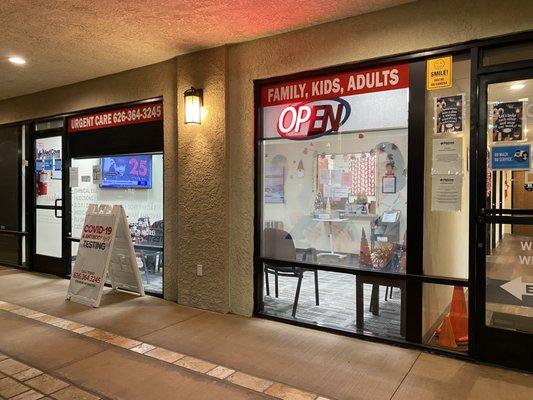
{"points": [[17, 60], [518, 86]]}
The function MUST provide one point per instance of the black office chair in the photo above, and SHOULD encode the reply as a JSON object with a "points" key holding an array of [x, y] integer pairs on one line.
{"points": [[156, 239], [278, 245]]}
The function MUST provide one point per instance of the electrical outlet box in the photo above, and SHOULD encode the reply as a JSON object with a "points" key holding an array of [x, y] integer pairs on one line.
{"points": [[199, 270]]}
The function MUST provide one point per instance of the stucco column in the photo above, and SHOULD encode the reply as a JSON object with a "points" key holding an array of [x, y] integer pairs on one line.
{"points": [[202, 202]]}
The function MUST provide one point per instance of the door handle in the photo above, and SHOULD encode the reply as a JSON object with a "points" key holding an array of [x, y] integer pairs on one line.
{"points": [[56, 208], [481, 216]]}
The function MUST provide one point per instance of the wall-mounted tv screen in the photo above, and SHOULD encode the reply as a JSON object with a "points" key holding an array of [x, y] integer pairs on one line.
{"points": [[133, 171]]}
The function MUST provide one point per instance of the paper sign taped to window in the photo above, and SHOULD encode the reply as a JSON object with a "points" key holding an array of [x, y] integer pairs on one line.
{"points": [[73, 177], [447, 156], [446, 192], [439, 73]]}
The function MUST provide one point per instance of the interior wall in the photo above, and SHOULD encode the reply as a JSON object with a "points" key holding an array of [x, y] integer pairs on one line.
{"points": [[296, 212], [141, 83], [137, 202], [369, 36]]}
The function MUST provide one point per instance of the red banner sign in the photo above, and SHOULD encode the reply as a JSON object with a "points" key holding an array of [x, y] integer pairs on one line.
{"points": [[336, 85], [138, 114]]}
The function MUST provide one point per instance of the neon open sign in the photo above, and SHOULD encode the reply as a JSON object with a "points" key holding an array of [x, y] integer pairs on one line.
{"points": [[310, 120]]}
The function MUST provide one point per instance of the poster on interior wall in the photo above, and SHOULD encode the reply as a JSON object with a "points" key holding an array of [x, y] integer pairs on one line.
{"points": [[447, 158], [449, 114], [324, 177], [39, 165], [56, 173], [97, 174], [105, 248], [507, 121], [336, 177], [388, 184], [511, 157], [73, 176], [274, 185], [446, 192], [48, 164], [339, 192], [528, 177]]}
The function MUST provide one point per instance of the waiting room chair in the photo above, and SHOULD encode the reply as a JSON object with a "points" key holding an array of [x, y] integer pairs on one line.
{"points": [[145, 264], [279, 245]]}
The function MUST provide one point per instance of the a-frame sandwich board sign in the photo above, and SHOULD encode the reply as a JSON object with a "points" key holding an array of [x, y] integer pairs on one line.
{"points": [[105, 248]]}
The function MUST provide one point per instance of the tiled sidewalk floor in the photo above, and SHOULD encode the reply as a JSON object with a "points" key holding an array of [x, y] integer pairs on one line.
{"points": [[141, 348], [19, 381], [257, 384]]}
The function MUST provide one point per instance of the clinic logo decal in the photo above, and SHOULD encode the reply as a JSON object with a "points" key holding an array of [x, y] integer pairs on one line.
{"points": [[309, 120]]}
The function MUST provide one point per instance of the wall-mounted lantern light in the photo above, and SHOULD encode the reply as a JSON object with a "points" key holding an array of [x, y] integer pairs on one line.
{"points": [[193, 106]]}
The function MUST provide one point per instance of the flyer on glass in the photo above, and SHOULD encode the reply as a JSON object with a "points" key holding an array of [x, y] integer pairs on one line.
{"points": [[449, 114], [447, 156], [515, 157], [446, 192], [507, 120]]}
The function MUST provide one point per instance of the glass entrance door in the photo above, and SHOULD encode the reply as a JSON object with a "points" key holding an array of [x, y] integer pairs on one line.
{"points": [[505, 219], [48, 205]]}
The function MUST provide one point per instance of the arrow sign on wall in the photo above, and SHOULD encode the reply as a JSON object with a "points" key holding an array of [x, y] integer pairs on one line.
{"points": [[518, 288]]}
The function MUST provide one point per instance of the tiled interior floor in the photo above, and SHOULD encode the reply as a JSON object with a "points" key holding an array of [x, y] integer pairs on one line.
{"points": [[510, 259], [152, 281], [337, 303], [148, 348]]}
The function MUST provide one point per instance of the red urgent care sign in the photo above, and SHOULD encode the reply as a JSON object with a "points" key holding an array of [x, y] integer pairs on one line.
{"points": [[336, 85], [138, 114]]}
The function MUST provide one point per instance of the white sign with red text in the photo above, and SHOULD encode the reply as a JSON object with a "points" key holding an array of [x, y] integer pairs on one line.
{"points": [[105, 248], [348, 101]]}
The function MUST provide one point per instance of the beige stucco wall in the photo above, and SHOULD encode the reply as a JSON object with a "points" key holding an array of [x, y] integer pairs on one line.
{"points": [[405, 28], [141, 83], [203, 174]]}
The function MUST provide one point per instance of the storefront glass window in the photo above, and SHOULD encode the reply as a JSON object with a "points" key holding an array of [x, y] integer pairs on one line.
{"points": [[134, 181], [333, 162], [342, 198], [336, 300]]}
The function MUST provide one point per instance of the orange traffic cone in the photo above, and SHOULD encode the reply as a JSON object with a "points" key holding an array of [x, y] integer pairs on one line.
{"points": [[365, 257], [459, 316], [446, 336]]}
